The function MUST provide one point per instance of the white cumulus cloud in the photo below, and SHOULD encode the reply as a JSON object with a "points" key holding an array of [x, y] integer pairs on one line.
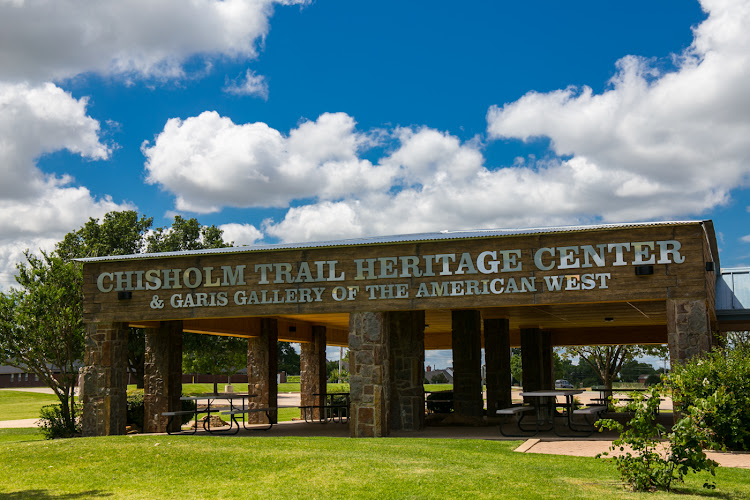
{"points": [[37, 209], [675, 142], [655, 144], [44, 40], [208, 162]]}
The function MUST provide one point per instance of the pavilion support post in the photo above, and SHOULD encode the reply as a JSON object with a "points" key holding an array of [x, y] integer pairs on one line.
{"points": [[688, 329], [467, 363], [497, 361], [262, 368], [407, 370], [105, 379], [369, 374], [536, 357], [162, 379], [313, 370]]}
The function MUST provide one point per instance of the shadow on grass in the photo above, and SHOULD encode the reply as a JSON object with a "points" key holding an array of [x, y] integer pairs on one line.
{"points": [[46, 495]]}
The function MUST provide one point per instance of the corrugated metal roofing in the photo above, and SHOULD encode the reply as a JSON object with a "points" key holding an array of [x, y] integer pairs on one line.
{"points": [[404, 238]]}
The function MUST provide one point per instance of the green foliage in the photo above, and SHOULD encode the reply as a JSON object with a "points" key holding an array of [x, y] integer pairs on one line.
{"points": [[716, 385], [293, 379], [213, 354], [54, 424], [607, 361], [289, 360], [334, 375], [516, 367], [41, 326], [644, 460], [185, 234], [135, 408], [119, 233]]}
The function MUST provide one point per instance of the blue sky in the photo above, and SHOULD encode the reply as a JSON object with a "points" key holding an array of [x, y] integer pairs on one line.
{"points": [[294, 121]]}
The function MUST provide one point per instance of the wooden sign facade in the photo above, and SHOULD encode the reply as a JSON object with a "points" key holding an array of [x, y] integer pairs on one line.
{"points": [[497, 273]]}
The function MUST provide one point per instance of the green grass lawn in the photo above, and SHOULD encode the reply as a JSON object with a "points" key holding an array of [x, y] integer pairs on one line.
{"points": [[216, 467], [18, 405]]}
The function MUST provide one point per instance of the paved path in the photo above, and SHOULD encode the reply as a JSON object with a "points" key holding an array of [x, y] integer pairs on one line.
{"points": [[591, 448]]}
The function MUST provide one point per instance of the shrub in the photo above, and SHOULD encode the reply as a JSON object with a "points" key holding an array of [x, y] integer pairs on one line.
{"points": [[136, 409], [641, 463], [716, 386], [653, 379], [53, 426]]}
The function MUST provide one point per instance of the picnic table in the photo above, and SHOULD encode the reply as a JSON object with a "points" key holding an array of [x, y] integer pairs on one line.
{"points": [[546, 408], [232, 404], [333, 407]]}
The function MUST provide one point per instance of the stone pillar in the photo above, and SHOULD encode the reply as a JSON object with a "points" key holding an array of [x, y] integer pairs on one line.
{"points": [[369, 374], [688, 328], [262, 368], [313, 370], [162, 378], [105, 379], [467, 363], [536, 357], [497, 361], [407, 370]]}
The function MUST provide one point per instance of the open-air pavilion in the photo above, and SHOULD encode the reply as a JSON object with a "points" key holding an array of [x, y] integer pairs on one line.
{"points": [[388, 299]]}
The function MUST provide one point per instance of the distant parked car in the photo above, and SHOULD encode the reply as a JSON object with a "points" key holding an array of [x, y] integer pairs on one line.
{"points": [[563, 384]]}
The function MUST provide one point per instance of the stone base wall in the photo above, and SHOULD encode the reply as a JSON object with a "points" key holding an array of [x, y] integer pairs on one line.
{"points": [[369, 384], [467, 363], [689, 328], [262, 366], [105, 379], [313, 370], [497, 361], [162, 379], [407, 370]]}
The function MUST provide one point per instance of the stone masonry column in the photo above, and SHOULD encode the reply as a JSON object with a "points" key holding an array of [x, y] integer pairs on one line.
{"points": [[467, 363], [313, 370], [162, 378], [497, 361], [369, 374], [407, 370], [262, 368], [688, 328], [105, 379], [536, 357]]}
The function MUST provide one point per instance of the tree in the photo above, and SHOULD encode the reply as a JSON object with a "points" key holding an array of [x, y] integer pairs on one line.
{"points": [[289, 360], [125, 233], [41, 325], [213, 354], [185, 234], [607, 360]]}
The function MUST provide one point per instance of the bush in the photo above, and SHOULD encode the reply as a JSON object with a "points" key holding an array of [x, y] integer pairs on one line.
{"points": [[653, 379], [716, 387], [641, 463], [136, 409], [53, 426]]}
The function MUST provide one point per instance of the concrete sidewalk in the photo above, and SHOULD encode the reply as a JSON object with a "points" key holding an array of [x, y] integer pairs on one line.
{"points": [[591, 448]]}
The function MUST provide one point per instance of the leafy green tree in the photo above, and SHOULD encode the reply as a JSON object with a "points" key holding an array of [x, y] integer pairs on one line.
{"points": [[41, 326], [607, 360], [118, 233], [516, 365], [213, 354], [633, 369], [289, 360], [185, 234]]}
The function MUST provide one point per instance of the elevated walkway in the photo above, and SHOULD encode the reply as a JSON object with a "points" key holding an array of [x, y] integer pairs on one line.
{"points": [[733, 299]]}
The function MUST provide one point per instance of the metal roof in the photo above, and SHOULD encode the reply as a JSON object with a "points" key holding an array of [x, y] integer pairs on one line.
{"points": [[404, 238]]}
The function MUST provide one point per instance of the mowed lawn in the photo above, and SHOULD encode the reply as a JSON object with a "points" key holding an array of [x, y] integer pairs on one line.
{"points": [[16, 405], [153, 467]]}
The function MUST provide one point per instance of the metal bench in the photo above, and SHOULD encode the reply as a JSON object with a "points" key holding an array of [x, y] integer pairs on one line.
{"points": [[173, 414], [266, 410], [517, 411]]}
